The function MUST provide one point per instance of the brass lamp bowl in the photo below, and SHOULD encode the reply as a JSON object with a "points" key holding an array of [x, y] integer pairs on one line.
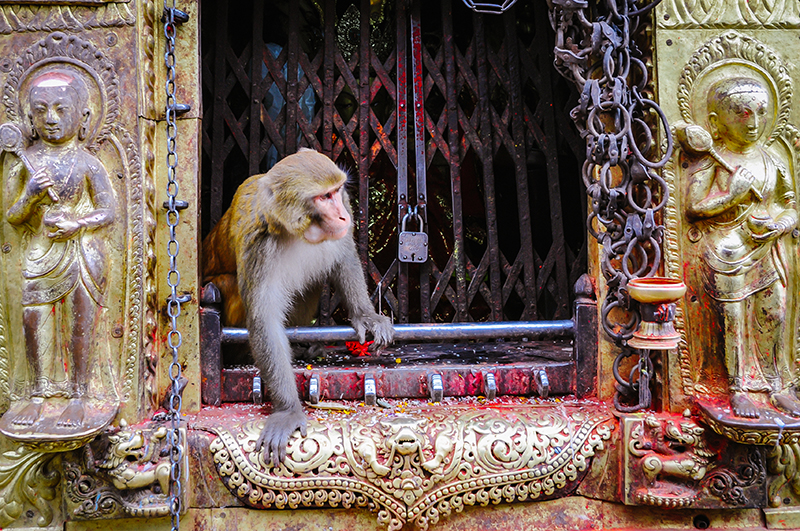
{"points": [[656, 289]]}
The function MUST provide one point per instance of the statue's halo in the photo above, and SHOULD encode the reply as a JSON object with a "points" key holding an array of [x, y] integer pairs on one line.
{"points": [[735, 55], [59, 51]]}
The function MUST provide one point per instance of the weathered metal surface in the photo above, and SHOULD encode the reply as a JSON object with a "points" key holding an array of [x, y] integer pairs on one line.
{"points": [[418, 465], [622, 159], [585, 345], [211, 356], [563, 514], [670, 461], [337, 383]]}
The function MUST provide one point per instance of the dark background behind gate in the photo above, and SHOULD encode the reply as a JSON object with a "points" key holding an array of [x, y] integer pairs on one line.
{"points": [[505, 211]]}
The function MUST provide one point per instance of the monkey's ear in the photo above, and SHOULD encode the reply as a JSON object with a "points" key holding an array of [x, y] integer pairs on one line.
{"points": [[290, 211]]}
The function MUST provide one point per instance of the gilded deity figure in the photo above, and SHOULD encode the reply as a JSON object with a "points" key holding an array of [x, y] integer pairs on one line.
{"points": [[64, 197], [742, 192]]}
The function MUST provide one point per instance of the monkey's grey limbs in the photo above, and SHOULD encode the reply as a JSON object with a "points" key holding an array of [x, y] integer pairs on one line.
{"points": [[362, 314], [172, 17]]}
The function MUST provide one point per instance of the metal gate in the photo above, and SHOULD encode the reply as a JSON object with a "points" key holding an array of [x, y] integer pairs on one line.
{"points": [[429, 105]]}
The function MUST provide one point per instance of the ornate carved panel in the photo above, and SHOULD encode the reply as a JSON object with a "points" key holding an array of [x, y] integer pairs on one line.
{"points": [[670, 461], [418, 466], [123, 474], [74, 224], [732, 236]]}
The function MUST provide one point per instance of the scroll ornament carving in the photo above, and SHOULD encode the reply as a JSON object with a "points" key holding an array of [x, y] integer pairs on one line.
{"points": [[685, 14], [28, 477], [417, 468], [24, 18], [783, 464]]}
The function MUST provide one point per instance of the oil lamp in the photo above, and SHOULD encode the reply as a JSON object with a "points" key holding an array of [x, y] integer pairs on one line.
{"points": [[656, 297]]}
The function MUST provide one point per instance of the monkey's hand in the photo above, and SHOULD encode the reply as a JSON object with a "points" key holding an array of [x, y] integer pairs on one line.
{"points": [[278, 427], [379, 325]]}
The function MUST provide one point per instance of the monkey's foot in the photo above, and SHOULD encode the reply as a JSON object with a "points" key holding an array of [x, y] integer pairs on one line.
{"points": [[29, 415], [278, 427], [742, 406], [72, 417], [786, 403]]}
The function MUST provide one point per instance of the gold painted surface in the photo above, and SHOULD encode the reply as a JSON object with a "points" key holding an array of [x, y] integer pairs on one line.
{"points": [[15, 18], [420, 466], [29, 487], [188, 178], [67, 370], [731, 221]]}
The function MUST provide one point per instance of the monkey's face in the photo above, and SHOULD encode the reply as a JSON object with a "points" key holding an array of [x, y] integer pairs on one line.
{"points": [[330, 220]]}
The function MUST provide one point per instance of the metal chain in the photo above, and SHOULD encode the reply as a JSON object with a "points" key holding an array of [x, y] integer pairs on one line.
{"points": [[626, 192], [174, 338]]}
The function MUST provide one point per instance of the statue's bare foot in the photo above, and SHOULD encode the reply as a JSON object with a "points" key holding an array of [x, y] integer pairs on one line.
{"points": [[72, 417], [29, 415], [744, 407], [786, 403]]}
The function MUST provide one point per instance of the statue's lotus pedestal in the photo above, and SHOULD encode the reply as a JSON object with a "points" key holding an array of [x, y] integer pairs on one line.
{"points": [[46, 434]]}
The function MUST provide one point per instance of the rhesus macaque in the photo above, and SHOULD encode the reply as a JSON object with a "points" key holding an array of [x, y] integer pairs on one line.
{"points": [[286, 232]]}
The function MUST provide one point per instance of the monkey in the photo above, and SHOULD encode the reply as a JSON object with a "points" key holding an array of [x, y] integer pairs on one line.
{"points": [[287, 232]]}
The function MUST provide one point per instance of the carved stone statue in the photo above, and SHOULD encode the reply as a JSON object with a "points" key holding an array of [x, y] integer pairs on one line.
{"points": [[732, 233]]}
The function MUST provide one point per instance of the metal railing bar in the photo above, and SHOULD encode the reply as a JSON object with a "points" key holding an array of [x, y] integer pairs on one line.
{"points": [[533, 330]]}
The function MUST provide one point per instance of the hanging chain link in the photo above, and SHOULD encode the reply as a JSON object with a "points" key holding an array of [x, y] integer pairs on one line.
{"points": [[174, 338], [595, 50]]}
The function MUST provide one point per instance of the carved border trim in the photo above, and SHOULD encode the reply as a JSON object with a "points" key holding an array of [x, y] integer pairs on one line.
{"points": [[704, 14], [25, 18]]}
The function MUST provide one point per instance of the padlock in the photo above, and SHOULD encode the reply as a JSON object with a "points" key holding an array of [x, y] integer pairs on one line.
{"points": [[413, 246]]}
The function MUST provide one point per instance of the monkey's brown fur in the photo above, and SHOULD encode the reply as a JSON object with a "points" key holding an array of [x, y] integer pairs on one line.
{"points": [[285, 234], [277, 201]]}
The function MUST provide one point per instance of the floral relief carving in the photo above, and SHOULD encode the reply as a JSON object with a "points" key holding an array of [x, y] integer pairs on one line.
{"points": [[417, 468]]}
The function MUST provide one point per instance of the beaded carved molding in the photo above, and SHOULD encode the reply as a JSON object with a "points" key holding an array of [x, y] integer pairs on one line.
{"points": [[418, 466]]}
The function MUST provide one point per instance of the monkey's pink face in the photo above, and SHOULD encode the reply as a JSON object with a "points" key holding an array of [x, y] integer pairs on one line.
{"points": [[331, 220]]}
